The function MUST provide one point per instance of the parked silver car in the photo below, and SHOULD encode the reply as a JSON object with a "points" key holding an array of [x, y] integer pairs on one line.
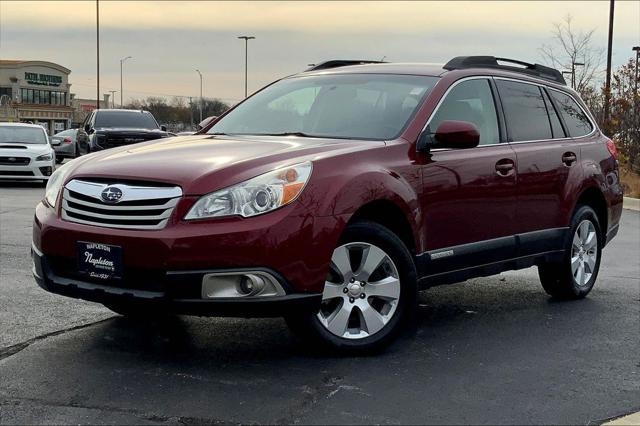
{"points": [[66, 145]]}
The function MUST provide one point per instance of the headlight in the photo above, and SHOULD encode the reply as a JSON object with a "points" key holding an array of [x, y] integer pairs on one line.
{"points": [[45, 157], [255, 196], [55, 183]]}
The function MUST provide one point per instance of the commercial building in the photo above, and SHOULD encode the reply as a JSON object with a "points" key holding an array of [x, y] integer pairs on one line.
{"points": [[37, 92]]}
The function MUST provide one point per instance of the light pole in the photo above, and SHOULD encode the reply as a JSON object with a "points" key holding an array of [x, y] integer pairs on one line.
{"points": [[637, 50], [607, 93], [97, 54], [246, 48], [121, 91], [573, 73], [200, 74]]}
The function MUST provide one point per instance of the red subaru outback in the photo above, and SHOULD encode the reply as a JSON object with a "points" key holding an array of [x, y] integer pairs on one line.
{"points": [[332, 196]]}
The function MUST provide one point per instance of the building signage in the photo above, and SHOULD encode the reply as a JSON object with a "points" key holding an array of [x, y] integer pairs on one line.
{"points": [[43, 79]]}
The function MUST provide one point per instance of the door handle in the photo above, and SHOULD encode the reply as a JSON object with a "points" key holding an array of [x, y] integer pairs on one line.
{"points": [[505, 167], [568, 158]]}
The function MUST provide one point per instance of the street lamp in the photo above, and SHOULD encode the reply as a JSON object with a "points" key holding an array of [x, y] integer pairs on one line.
{"points": [[573, 73], [637, 50], [246, 47], [200, 74], [121, 91]]}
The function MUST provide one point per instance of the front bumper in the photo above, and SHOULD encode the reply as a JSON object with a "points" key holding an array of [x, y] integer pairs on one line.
{"points": [[34, 170], [175, 292]]}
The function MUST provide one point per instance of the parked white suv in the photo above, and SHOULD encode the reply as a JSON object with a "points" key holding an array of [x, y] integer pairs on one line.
{"points": [[25, 152]]}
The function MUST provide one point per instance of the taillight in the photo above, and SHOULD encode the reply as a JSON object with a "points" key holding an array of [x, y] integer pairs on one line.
{"points": [[66, 140], [611, 146]]}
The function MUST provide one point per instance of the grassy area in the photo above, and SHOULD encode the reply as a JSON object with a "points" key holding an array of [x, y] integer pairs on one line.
{"points": [[630, 182]]}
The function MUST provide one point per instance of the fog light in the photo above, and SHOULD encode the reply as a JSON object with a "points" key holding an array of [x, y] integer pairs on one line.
{"points": [[251, 285], [220, 285], [46, 171]]}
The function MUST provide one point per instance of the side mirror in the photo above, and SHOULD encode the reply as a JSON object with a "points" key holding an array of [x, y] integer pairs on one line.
{"points": [[163, 128], [451, 134]]}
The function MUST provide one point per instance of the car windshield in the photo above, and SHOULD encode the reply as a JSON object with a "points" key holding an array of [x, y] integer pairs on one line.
{"points": [[349, 106], [125, 119], [19, 134]]}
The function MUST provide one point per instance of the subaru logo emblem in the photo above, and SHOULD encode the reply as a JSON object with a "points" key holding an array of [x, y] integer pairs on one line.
{"points": [[12, 159], [111, 194]]}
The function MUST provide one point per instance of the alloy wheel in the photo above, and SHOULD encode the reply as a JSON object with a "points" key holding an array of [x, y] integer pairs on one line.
{"points": [[361, 292], [584, 252]]}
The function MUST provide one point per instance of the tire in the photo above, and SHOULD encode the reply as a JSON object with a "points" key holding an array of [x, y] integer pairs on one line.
{"points": [[76, 151], [575, 275], [59, 160], [350, 320], [136, 310]]}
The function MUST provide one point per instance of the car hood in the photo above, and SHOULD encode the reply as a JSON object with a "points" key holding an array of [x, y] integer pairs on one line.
{"points": [[23, 149], [204, 163]]}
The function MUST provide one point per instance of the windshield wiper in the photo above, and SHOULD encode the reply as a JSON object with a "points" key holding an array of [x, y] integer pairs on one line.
{"points": [[300, 134]]}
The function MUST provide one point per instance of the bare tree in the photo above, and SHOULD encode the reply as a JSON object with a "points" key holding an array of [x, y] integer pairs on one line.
{"points": [[571, 47]]}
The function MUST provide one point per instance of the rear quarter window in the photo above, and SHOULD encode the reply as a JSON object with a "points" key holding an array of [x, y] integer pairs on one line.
{"points": [[574, 117], [525, 111]]}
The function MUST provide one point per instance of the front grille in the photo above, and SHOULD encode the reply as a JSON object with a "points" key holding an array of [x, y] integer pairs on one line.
{"points": [[140, 207], [15, 161], [16, 173], [113, 141]]}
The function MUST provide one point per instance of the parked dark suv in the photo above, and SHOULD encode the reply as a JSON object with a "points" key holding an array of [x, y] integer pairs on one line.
{"points": [[110, 128], [332, 196]]}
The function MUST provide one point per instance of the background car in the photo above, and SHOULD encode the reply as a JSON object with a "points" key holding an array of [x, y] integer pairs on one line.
{"points": [[25, 152], [109, 128], [65, 144]]}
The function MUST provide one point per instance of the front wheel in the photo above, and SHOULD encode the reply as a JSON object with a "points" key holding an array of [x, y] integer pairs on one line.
{"points": [[575, 275], [369, 291]]}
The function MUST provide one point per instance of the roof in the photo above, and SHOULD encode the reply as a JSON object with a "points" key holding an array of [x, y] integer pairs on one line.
{"points": [[25, 62], [11, 124], [120, 110], [386, 68]]}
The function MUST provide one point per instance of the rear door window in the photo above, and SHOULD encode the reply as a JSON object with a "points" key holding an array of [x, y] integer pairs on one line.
{"points": [[574, 117], [525, 111]]}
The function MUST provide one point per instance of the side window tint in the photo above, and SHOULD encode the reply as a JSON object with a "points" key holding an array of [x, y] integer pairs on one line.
{"points": [[470, 101], [556, 127], [524, 110], [574, 117]]}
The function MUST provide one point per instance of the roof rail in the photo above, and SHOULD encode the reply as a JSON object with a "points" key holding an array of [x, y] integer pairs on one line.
{"points": [[336, 63], [537, 70]]}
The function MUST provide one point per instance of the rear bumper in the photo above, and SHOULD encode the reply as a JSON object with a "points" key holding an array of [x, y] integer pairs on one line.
{"points": [[174, 293], [66, 150]]}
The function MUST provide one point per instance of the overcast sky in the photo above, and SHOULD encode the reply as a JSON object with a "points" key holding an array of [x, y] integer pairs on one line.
{"points": [[169, 40]]}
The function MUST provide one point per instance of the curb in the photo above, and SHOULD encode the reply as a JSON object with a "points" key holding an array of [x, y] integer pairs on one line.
{"points": [[631, 203], [631, 419]]}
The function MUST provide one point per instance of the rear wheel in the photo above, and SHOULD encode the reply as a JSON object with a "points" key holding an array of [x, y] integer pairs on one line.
{"points": [[575, 275], [59, 159], [369, 291], [76, 151]]}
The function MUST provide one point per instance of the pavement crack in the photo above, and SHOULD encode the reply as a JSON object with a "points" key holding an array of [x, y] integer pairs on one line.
{"points": [[157, 418], [18, 347]]}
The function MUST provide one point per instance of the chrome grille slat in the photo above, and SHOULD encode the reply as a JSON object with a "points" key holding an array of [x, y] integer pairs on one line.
{"points": [[150, 206], [168, 204], [164, 215]]}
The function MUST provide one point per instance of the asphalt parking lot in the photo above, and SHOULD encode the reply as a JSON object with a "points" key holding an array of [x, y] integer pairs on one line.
{"points": [[494, 350]]}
